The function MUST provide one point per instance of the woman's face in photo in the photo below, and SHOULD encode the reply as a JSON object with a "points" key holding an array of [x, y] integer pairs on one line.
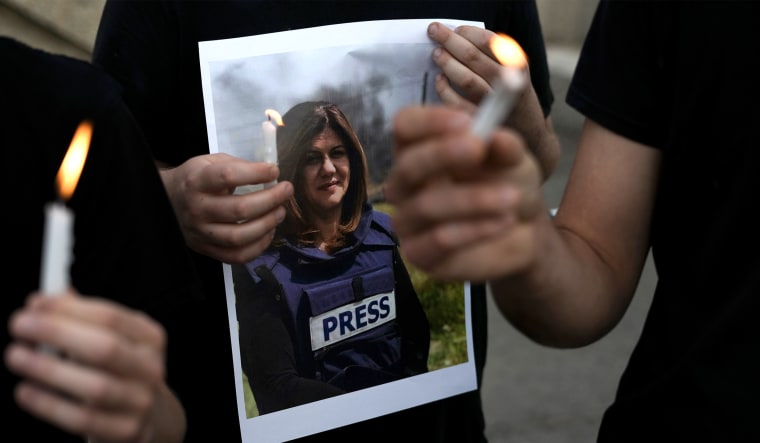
{"points": [[326, 173]]}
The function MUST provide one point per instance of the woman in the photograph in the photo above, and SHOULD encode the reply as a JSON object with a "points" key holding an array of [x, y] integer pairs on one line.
{"points": [[329, 308]]}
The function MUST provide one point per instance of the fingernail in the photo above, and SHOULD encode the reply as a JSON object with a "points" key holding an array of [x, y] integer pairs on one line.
{"points": [[432, 29], [437, 53], [280, 215]]}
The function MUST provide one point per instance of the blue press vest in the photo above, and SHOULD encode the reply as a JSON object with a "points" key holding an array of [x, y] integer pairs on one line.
{"points": [[341, 308]]}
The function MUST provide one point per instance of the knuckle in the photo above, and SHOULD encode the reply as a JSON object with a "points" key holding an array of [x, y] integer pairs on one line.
{"points": [[98, 391], [470, 54], [468, 82], [240, 209], [226, 173]]}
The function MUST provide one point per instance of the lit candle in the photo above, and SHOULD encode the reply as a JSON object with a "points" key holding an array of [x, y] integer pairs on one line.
{"points": [[58, 236], [269, 133], [268, 151], [507, 87]]}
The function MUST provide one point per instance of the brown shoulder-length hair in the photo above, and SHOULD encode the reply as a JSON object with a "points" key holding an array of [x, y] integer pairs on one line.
{"points": [[302, 123]]}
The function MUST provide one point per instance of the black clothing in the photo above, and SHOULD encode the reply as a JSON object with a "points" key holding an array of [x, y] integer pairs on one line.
{"points": [[152, 49], [127, 243], [681, 77]]}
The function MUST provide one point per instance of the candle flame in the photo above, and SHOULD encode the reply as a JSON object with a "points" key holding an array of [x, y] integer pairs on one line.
{"points": [[73, 162], [274, 116], [507, 51]]}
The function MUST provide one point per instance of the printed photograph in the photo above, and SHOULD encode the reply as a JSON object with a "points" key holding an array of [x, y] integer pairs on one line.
{"points": [[331, 329]]}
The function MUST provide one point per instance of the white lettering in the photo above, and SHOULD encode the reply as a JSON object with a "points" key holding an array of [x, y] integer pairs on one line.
{"points": [[351, 319]]}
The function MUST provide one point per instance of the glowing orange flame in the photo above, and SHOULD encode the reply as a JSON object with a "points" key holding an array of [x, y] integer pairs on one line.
{"points": [[507, 51], [73, 162], [274, 116]]}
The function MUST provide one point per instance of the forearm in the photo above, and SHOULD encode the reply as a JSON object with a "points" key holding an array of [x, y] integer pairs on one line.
{"points": [[585, 264], [538, 132], [568, 296]]}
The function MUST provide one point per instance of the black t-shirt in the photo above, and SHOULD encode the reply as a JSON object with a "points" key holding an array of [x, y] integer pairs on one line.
{"points": [[152, 49], [127, 243], [681, 77]]}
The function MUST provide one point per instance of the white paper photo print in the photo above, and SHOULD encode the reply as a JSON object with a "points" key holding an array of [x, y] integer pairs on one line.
{"points": [[366, 72]]}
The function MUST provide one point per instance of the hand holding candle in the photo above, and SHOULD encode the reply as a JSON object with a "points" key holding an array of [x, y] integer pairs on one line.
{"points": [[59, 220], [507, 87]]}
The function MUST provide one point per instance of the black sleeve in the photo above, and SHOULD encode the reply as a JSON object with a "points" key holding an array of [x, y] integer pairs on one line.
{"points": [[266, 349], [139, 44], [620, 81]]}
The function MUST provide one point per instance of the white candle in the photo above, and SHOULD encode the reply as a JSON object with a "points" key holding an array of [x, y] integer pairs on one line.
{"points": [[269, 154], [58, 236], [56, 248], [269, 133], [507, 87], [268, 151]]}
